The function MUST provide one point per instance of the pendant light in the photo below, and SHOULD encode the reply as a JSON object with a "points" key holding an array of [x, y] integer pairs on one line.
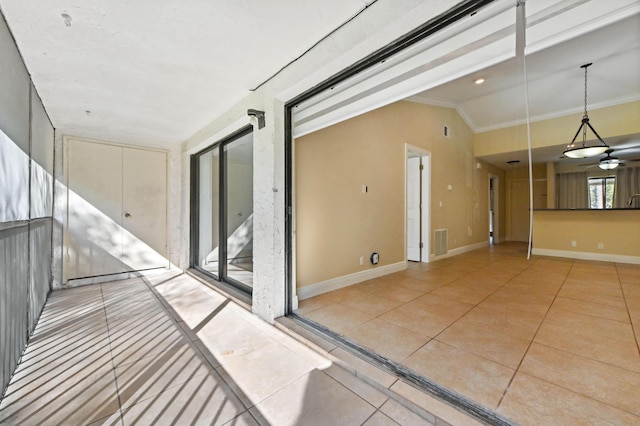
{"points": [[583, 150], [609, 162]]}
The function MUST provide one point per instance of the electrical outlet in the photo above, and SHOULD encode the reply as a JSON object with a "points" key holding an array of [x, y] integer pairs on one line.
{"points": [[574, 244], [361, 260], [600, 246]]}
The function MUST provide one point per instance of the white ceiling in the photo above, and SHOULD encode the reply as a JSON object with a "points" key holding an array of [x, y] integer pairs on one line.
{"points": [[156, 72], [556, 87]]}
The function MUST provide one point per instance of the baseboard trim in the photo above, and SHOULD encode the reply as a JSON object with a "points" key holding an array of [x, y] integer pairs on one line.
{"points": [[459, 250], [582, 255], [347, 280]]}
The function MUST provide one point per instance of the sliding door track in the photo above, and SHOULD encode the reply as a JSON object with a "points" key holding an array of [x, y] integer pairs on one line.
{"points": [[454, 399]]}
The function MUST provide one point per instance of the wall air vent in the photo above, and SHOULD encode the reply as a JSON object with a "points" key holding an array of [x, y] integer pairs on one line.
{"points": [[442, 241]]}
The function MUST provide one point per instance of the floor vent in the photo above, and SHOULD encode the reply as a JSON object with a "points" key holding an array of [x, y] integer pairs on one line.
{"points": [[442, 240]]}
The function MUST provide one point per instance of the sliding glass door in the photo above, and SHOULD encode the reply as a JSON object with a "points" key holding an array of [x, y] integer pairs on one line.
{"points": [[222, 210]]}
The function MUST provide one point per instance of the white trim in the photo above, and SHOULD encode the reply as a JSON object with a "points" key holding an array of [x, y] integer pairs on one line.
{"points": [[459, 250], [582, 255], [426, 200], [347, 280]]}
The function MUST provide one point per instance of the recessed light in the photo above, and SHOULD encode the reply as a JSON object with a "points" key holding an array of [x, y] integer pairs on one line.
{"points": [[479, 80]]}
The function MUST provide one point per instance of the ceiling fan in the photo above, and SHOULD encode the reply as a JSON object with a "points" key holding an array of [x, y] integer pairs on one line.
{"points": [[609, 162]]}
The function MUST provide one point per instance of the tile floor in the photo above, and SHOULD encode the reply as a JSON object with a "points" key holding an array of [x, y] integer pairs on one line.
{"points": [[545, 341], [169, 350]]}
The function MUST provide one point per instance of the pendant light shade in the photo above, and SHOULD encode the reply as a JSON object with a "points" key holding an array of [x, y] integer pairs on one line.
{"points": [[609, 162], [582, 150]]}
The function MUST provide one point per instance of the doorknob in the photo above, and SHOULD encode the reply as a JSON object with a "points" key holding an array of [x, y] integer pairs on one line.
{"points": [[127, 215]]}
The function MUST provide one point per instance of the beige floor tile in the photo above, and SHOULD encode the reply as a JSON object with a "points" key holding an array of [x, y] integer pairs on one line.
{"points": [[273, 367], [515, 299], [535, 285], [314, 398], [202, 400], [514, 323], [530, 401], [360, 367], [464, 292], [615, 313], [631, 289], [244, 419], [477, 378], [476, 339], [616, 349], [309, 305], [128, 309], [312, 357], [349, 380], [606, 383], [433, 405], [330, 297], [577, 294], [44, 377], [113, 420], [387, 339], [402, 415], [141, 338], [80, 398], [339, 318], [234, 342], [370, 304], [314, 339], [427, 315], [379, 419], [419, 285], [589, 285], [66, 343], [587, 323], [140, 380], [400, 294]]}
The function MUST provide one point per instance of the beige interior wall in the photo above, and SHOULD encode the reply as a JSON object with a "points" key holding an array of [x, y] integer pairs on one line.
{"points": [[336, 223], [517, 181], [617, 230], [611, 121]]}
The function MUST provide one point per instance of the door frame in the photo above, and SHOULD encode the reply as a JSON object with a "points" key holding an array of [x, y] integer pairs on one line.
{"points": [[496, 206], [425, 196]]}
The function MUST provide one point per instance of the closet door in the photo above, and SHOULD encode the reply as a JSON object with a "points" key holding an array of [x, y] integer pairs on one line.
{"points": [[144, 209], [117, 209], [93, 233]]}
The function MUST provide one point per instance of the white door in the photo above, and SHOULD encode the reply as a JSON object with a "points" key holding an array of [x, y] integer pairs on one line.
{"points": [[144, 209], [116, 212], [93, 235], [413, 209]]}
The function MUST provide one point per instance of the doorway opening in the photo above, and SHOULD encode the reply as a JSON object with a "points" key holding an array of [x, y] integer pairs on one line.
{"points": [[493, 210], [417, 204]]}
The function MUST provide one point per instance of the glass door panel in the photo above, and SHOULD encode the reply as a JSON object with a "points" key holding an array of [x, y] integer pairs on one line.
{"points": [[238, 156], [222, 210], [208, 211]]}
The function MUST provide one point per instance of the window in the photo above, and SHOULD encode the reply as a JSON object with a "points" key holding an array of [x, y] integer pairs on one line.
{"points": [[601, 192]]}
